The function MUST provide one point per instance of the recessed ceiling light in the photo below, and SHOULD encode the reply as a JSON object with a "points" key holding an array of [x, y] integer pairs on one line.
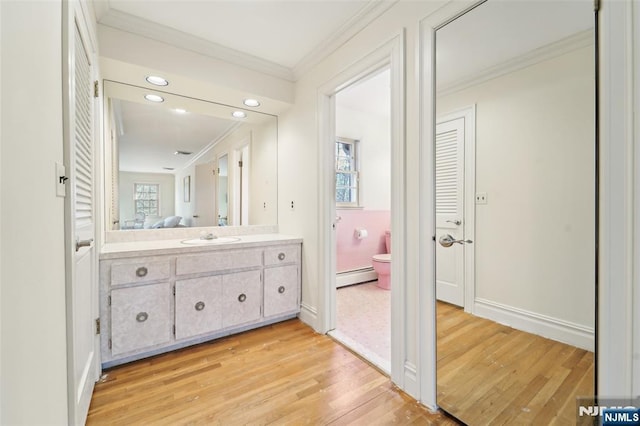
{"points": [[239, 114], [180, 110], [158, 81], [182, 153], [251, 102], [154, 98]]}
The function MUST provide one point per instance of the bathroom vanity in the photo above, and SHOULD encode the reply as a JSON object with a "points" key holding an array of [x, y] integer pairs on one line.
{"points": [[157, 296]]}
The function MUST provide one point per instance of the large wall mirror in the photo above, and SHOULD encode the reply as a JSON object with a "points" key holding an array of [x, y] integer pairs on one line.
{"points": [[515, 212], [176, 161]]}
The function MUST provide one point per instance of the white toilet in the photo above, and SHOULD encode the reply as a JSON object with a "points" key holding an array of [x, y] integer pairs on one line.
{"points": [[382, 264]]}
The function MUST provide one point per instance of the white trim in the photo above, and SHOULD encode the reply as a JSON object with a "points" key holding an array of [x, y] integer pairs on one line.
{"points": [[426, 248], [535, 323], [125, 22], [372, 10], [545, 53], [308, 314], [390, 53], [142, 27], [355, 277], [616, 246], [469, 115]]}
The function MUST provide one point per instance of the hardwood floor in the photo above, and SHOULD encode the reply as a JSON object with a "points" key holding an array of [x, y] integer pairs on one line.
{"points": [[280, 374], [492, 374]]}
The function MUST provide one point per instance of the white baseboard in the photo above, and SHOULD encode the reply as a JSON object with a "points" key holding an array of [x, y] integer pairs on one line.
{"points": [[534, 323], [355, 277], [308, 315]]}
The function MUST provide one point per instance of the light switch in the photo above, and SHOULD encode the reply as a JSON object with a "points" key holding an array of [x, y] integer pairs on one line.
{"points": [[61, 179]]}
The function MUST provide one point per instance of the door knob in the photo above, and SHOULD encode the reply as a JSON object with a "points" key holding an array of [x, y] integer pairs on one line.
{"points": [[455, 222], [447, 241]]}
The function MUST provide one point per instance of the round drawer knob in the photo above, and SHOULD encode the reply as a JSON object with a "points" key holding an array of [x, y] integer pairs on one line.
{"points": [[281, 289], [142, 317], [281, 256], [199, 306], [242, 298], [141, 271]]}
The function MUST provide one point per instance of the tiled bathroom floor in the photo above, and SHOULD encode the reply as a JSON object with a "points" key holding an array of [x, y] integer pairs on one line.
{"points": [[364, 316]]}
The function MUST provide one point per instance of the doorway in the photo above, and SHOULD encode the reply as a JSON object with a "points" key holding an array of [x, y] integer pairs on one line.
{"points": [[388, 55], [363, 217]]}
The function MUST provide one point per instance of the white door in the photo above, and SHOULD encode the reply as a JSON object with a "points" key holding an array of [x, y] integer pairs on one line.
{"points": [[450, 210], [81, 263], [204, 196]]}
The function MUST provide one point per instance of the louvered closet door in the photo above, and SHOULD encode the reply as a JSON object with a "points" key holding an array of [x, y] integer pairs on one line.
{"points": [[79, 147], [450, 210]]}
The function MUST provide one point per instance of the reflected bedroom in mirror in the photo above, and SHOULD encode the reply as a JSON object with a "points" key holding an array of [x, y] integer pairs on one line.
{"points": [[176, 161], [515, 153]]}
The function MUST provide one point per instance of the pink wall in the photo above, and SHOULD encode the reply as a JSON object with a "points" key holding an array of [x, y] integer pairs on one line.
{"points": [[353, 253]]}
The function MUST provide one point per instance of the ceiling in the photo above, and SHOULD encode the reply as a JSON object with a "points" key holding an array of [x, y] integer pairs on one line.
{"points": [[289, 34]]}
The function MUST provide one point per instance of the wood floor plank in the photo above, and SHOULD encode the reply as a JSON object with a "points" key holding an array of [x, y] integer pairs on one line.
{"points": [[491, 374], [280, 374]]}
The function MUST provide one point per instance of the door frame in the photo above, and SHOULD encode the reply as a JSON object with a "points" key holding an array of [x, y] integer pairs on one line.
{"points": [[468, 114], [390, 54]]}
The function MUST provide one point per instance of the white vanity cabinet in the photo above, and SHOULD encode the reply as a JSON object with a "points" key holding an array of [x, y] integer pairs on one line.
{"points": [[152, 303]]}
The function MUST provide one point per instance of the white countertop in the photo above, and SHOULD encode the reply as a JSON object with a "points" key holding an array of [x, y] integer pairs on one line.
{"points": [[160, 247]]}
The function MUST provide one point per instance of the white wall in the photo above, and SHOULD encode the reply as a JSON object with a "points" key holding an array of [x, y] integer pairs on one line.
{"points": [[374, 133], [534, 241], [167, 194], [33, 365]]}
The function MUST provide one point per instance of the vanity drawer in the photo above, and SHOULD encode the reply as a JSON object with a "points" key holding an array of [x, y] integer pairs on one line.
{"points": [[125, 273], [218, 261], [281, 255]]}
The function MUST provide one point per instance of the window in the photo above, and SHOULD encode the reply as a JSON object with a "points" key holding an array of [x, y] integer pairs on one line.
{"points": [[146, 197], [347, 191]]}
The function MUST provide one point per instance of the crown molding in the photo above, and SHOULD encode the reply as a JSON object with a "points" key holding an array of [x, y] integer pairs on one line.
{"points": [[544, 53], [367, 14], [142, 27]]}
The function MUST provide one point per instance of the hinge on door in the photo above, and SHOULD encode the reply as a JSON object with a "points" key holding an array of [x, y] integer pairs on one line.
{"points": [[596, 5], [240, 163], [174, 290], [174, 329], [109, 301], [110, 344], [96, 90], [97, 325]]}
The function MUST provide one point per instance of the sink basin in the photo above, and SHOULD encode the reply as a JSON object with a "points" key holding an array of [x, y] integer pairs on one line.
{"points": [[219, 240]]}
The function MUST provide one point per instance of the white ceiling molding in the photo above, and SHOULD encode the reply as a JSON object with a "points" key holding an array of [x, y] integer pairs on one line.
{"points": [[544, 53], [211, 145], [142, 27], [348, 30]]}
